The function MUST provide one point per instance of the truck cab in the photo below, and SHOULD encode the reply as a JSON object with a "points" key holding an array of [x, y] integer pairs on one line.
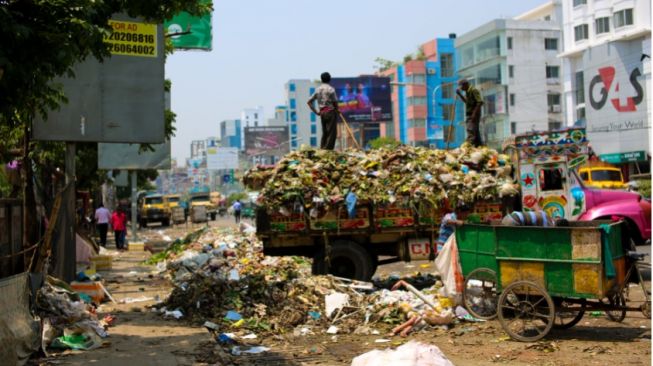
{"points": [[202, 199], [602, 176], [547, 169], [154, 208]]}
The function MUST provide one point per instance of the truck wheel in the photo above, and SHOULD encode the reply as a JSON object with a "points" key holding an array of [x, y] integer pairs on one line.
{"points": [[143, 223], [347, 259], [213, 216], [165, 222]]}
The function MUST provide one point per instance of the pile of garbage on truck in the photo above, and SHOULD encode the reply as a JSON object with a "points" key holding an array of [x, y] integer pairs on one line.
{"points": [[313, 177], [223, 280]]}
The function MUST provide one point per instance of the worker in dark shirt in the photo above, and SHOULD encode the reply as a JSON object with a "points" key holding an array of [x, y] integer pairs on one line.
{"points": [[473, 103]]}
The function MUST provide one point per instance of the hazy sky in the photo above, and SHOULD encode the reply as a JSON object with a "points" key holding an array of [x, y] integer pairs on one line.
{"points": [[259, 44]]}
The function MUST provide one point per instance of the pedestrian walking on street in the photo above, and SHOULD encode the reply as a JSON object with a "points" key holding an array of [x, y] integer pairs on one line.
{"points": [[327, 103], [119, 226], [102, 218], [473, 103], [237, 206]]}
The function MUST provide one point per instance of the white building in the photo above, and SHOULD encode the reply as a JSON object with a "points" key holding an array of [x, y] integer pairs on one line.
{"points": [[607, 75], [251, 117], [304, 126], [514, 64], [280, 116]]}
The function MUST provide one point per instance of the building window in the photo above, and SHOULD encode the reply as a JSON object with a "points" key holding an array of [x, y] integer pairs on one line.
{"points": [[418, 122], [512, 99], [580, 2], [446, 65], [416, 100], [581, 32], [293, 103], [553, 101], [511, 71], [416, 79], [291, 87], [623, 18], [555, 125], [509, 43], [311, 91], [513, 128], [313, 117], [293, 143], [580, 114], [313, 141], [313, 129], [293, 129], [552, 72], [547, 18], [580, 88], [602, 25], [255, 115], [447, 90], [293, 116], [551, 44]]}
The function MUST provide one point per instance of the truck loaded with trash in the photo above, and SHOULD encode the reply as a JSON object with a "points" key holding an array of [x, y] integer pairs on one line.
{"points": [[353, 210]]}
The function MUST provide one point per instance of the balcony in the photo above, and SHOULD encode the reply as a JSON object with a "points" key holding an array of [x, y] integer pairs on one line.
{"points": [[417, 112], [556, 108], [416, 90]]}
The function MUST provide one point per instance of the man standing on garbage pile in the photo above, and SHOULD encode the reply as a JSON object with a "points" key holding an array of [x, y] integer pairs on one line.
{"points": [[119, 226], [532, 218], [327, 102], [473, 103], [102, 218], [237, 206]]}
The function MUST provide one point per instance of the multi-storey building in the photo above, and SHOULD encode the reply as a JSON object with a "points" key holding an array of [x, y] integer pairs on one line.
{"points": [[607, 76], [280, 116], [197, 149], [423, 105], [251, 117], [231, 133], [304, 128], [514, 64]]}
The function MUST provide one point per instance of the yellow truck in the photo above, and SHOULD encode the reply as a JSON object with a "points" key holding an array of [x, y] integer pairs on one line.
{"points": [[202, 199], [602, 176], [154, 208]]}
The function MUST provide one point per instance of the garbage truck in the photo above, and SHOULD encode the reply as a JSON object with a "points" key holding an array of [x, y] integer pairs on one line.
{"points": [[544, 167]]}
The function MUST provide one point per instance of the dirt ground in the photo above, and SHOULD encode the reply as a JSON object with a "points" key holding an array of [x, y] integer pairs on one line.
{"points": [[141, 337]]}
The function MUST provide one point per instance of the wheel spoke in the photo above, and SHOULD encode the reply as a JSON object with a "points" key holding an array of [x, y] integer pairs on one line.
{"points": [[538, 301]]}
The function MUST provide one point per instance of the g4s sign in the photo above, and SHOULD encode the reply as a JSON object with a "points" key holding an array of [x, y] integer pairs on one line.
{"points": [[605, 86]]}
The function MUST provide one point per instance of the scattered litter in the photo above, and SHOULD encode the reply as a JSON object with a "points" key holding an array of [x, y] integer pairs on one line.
{"points": [[332, 330], [237, 351], [249, 336], [382, 340], [129, 300], [335, 301], [233, 316], [175, 314]]}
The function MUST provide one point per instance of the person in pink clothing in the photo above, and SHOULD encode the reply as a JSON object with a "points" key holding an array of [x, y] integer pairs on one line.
{"points": [[119, 226]]}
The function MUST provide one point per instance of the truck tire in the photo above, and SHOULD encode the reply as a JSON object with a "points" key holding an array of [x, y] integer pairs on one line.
{"points": [[213, 216], [143, 223], [165, 222], [347, 259]]}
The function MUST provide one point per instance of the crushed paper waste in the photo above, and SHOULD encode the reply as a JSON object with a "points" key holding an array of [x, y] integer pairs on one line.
{"points": [[412, 353], [313, 178]]}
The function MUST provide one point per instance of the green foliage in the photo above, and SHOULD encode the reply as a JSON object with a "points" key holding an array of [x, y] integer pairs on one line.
{"points": [[384, 142], [644, 187], [383, 64], [175, 247], [242, 196]]}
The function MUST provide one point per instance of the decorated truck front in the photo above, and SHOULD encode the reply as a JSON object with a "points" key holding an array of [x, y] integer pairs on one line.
{"points": [[547, 168]]}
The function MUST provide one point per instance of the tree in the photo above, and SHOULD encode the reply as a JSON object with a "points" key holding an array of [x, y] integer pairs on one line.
{"points": [[42, 40], [384, 142], [383, 64]]}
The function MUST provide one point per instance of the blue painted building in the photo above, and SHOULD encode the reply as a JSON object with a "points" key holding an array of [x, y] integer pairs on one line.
{"points": [[425, 111]]}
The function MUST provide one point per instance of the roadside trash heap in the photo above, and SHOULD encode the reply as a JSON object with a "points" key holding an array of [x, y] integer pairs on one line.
{"points": [[69, 319], [314, 177], [224, 281]]}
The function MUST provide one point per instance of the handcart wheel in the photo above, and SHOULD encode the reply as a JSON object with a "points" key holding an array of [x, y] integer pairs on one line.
{"points": [[616, 300], [526, 311], [569, 313], [480, 293]]}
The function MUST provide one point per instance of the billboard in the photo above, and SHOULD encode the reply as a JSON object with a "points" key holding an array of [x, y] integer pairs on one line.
{"points": [[616, 97], [266, 140], [364, 98], [128, 156], [189, 32], [118, 100], [220, 158]]}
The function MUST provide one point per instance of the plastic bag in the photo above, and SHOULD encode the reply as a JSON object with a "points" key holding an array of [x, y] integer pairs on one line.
{"points": [[448, 266], [412, 353]]}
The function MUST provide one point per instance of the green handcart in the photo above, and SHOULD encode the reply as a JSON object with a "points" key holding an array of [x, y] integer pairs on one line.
{"points": [[537, 278]]}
